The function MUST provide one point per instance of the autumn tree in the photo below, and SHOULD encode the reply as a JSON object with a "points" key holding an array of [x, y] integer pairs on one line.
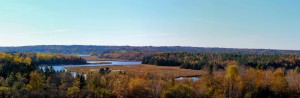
{"points": [[96, 85], [249, 79], [178, 91], [65, 83], [73, 92], [233, 82], [262, 83], [138, 88], [36, 82], [279, 84], [119, 85], [78, 87], [35, 86], [293, 79]]}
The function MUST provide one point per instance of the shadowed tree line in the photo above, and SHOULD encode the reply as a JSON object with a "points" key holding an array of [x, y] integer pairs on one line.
{"points": [[219, 60], [24, 63]]}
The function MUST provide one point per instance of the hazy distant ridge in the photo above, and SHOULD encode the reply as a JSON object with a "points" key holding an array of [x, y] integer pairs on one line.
{"points": [[86, 49]]}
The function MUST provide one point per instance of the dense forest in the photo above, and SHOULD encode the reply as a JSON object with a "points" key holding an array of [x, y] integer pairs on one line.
{"points": [[27, 62], [20, 77], [132, 56], [82, 49], [42, 58], [220, 60]]}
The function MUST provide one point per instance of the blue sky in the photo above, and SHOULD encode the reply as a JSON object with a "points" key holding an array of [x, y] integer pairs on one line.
{"points": [[270, 24]]}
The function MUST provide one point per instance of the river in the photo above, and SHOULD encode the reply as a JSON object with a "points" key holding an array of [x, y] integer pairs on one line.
{"points": [[60, 67]]}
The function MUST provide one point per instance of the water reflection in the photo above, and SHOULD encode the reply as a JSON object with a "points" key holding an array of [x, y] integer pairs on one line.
{"points": [[194, 79]]}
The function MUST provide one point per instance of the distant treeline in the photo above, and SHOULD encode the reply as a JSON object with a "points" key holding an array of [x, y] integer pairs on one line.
{"points": [[100, 50], [220, 60], [42, 58], [134, 56]]}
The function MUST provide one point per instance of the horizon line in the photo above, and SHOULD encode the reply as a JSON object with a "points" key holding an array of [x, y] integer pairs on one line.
{"points": [[149, 46]]}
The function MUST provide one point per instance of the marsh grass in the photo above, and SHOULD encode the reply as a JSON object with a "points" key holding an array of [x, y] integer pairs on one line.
{"points": [[143, 70]]}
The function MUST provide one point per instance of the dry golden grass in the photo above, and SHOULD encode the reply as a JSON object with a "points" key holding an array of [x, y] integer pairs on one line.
{"points": [[93, 58], [143, 69], [96, 58]]}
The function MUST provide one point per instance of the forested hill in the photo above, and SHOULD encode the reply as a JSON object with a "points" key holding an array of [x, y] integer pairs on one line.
{"points": [[85, 49]]}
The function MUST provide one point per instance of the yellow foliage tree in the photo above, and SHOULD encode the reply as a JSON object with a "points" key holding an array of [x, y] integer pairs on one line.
{"points": [[138, 88], [178, 91], [36, 82], [249, 80], [120, 86], [279, 84], [73, 92], [233, 82]]}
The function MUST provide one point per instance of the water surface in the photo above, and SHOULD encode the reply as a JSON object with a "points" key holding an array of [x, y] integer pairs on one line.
{"points": [[194, 79], [60, 67]]}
